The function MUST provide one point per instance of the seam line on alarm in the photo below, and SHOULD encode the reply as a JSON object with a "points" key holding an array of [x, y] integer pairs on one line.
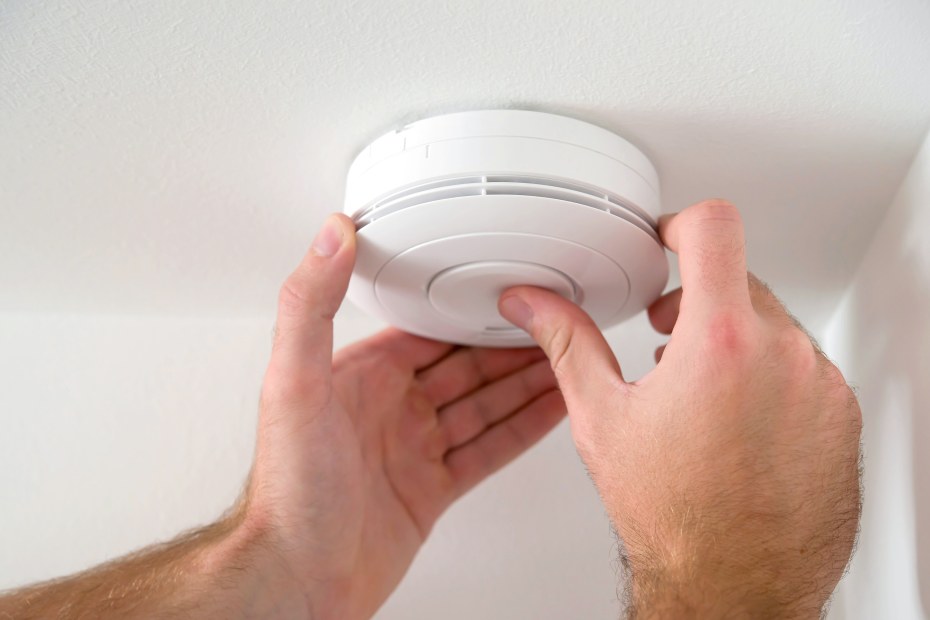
{"points": [[654, 189]]}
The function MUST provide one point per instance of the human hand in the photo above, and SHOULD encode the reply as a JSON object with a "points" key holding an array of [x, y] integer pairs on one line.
{"points": [[358, 455], [356, 458], [731, 471]]}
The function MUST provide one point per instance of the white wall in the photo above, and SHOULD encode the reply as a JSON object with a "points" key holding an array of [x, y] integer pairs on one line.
{"points": [[880, 337], [116, 432]]}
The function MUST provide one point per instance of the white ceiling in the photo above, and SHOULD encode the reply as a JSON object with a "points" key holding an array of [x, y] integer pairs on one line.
{"points": [[176, 157]]}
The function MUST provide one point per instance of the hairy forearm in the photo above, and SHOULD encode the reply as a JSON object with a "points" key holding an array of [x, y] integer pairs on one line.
{"points": [[226, 570], [656, 594]]}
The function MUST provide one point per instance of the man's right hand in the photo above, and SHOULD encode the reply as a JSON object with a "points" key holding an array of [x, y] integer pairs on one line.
{"points": [[731, 471]]}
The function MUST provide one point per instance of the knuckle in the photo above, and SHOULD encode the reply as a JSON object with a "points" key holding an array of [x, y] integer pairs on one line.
{"points": [[839, 393], [278, 386], [291, 301], [558, 346], [285, 389], [796, 352], [834, 379], [731, 334], [855, 413], [763, 299], [715, 210]]}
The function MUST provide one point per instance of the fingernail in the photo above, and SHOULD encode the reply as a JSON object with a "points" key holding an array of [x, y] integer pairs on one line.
{"points": [[329, 239], [517, 312]]}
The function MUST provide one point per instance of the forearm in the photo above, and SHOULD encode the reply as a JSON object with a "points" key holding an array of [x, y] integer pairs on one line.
{"points": [[226, 570]]}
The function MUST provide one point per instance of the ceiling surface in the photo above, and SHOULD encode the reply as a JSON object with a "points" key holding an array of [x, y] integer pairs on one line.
{"points": [[176, 157]]}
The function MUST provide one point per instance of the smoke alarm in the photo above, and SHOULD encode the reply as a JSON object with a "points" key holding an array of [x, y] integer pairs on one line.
{"points": [[453, 210]]}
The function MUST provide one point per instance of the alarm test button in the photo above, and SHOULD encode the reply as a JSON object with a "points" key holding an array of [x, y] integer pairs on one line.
{"points": [[468, 294]]}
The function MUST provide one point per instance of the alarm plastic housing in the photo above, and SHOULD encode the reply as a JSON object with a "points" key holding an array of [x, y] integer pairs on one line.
{"points": [[453, 210]]}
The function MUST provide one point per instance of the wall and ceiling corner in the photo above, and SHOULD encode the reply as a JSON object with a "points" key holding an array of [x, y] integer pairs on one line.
{"points": [[880, 338]]}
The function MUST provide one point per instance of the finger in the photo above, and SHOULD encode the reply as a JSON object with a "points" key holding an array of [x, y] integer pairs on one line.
{"points": [[308, 301], [582, 360], [469, 368], [420, 353], [474, 461], [659, 352], [663, 313], [405, 349], [709, 240], [468, 417]]}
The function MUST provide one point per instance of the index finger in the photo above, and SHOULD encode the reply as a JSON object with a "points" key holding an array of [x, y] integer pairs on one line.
{"points": [[711, 246]]}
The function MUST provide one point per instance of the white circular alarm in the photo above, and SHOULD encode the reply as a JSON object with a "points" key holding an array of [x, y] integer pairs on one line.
{"points": [[453, 210]]}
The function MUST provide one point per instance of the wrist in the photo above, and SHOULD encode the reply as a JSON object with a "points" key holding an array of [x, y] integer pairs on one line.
{"points": [[246, 559], [661, 590], [254, 557]]}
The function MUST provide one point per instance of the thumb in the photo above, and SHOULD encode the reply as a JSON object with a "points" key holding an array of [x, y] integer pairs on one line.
{"points": [[301, 358], [581, 359]]}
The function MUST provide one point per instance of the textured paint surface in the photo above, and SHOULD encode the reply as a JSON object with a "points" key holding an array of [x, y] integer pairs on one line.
{"points": [[175, 157], [173, 160]]}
